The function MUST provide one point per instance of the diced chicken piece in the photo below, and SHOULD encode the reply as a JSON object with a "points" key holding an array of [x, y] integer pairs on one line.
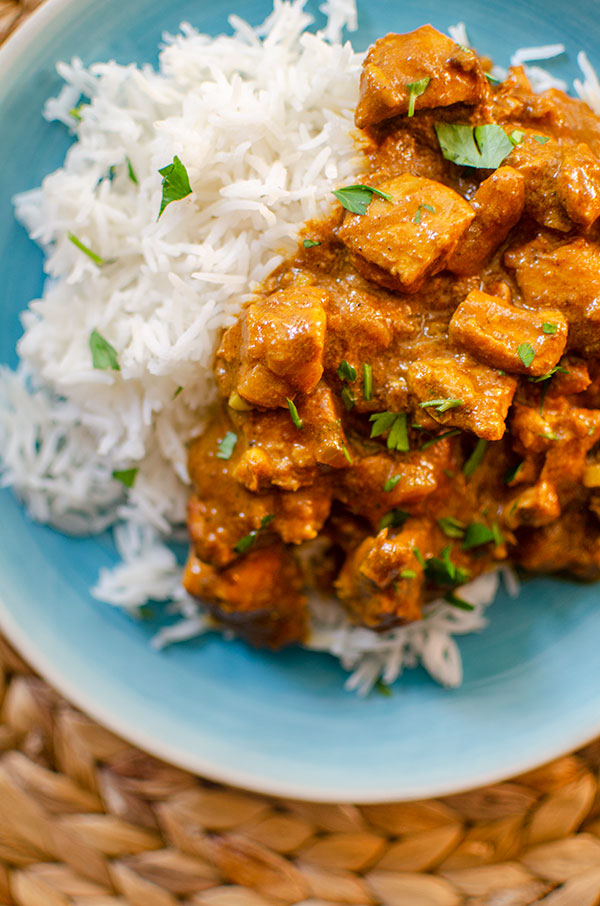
{"points": [[537, 505], [300, 515], [498, 205], [396, 61], [562, 182], [563, 275], [277, 452], [371, 584], [570, 543], [399, 243], [259, 597], [362, 487], [276, 348], [503, 336], [485, 395], [578, 184]]}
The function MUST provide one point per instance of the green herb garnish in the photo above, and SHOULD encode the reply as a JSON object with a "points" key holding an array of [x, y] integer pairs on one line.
{"points": [[368, 381], [442, 405], [477, 534], [382, 688], [125, 476], [423, 207], [542, 139], [92, 255], [248, 540], [177, 392], [347, 398], [434, 440], [452, 527], [346, 372], [526, 353], [394, 422], [511, 474], [310, 243], [391, 483], [393, 519], [175, 184], [408, 574], [227, 445], [455, 601], [549, 328], [549, 435], [131, 172], [474, 146], [492, 79], [104, 356], [516, 136], [415, 90], [442, 571], [294, 412], [357, 198], [346, 453], [75, 112], [546, 377], [476, 457]]}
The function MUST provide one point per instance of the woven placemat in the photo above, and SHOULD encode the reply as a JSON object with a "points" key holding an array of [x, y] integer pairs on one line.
{"points": [[87, 820]]}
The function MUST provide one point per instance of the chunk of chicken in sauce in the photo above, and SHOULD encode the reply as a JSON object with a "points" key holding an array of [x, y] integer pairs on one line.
{"points": [[416, 391]]}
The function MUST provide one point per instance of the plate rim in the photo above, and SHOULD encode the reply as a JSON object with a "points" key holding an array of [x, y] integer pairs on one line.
{"points": [[11, 52]]}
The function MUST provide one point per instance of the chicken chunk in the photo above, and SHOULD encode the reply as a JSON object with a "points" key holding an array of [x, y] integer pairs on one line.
{"points": [[480, 396], [394, 62], [398, 243], [259, 597], [578, 184], [564, 275], [276, 349], [498, 205], [503, 336]]}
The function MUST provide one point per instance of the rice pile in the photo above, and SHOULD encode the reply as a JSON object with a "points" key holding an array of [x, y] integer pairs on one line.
{"points": [[263, 122]]}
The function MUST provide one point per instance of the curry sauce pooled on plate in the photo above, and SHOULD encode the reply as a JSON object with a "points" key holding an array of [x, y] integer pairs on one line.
{"points": [[417, 387]]}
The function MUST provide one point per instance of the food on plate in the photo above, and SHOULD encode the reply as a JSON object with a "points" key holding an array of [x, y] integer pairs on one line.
{"points": [[416, 389], [320, 456]]}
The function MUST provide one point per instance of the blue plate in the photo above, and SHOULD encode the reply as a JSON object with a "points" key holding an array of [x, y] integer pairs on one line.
{"points": [[278, 723]]}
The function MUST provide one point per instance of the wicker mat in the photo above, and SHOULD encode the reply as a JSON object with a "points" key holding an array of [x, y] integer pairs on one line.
{"points": [[87, 820]]}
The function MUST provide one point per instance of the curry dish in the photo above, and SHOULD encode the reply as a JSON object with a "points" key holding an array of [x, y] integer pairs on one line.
{"points": [[417, 390]]}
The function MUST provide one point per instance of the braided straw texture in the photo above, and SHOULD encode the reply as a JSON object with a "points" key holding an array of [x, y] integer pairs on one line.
{"points": [[87, 820]]}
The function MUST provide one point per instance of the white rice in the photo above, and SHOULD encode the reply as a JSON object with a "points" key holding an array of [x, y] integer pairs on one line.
{"points": [[263, 121]]}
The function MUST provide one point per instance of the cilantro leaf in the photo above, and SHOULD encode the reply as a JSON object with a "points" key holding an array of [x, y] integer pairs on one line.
{"points": [[248, 540], [526, 353], [549, 328], [542, 139], [175, 184], [357, 198], [477, 534], [382, 422], [104, 356], [131, 172], [398, 436], [475, 458], [391, 483], [310, 243], [453, 599], [347, 398], [125, 476], [442, 405], [346, 453], [394, 518], [474, 146], [415, 90], [512, 472], [434, 440], [423, 207], [84, 248], [442, 571], [368, 381], [346, 372], [294, 412], [452, 527], [408, 574], [227, 445]]}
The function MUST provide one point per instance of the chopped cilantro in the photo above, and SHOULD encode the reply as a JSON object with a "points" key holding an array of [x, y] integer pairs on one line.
{"points": [[542, 139], [477, 534], [408, 574], [346, 372], [294, 412], [368, 381], [452, 527], [227, 445], [248, 540], [492, 79], [92, 255], [104, 356], [474, 146], [419, 556], [455, 601], [545, 377], [511, 474], [423, 207], [175, 184], [442, 405], [549, 435], [526, 353], [346, 453], [131, 173], [75, 112], [476, 457], [434, 440], [393, 519], [310, 243], [415, 90], [397, 425], [549, 328], [442, 571], [391, 483], [347, 398], [177, 392], [357, 198], [125, 476], [516, 136], [382, 688]]}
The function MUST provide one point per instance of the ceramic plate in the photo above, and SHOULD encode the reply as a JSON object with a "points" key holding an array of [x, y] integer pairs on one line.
{"points": [[277, 723]]}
